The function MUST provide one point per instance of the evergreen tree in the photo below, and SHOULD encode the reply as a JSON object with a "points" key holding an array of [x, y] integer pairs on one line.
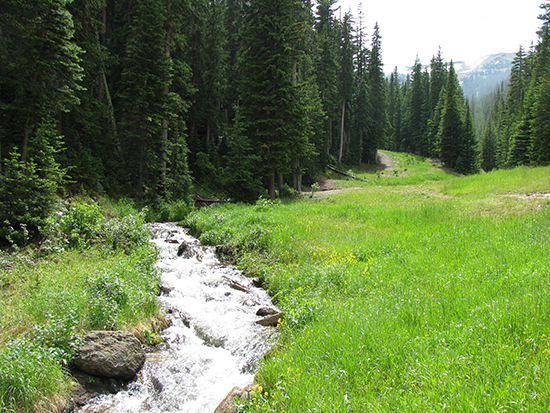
{"points": [[361, 103], [346, 79], [326, 72], [272, 94], [40, 68], [438, 78], [539, 151], [378, 119], [468, 156], [39, 79], [489, 148], [416, 116], [451, 127], [395, 111]]}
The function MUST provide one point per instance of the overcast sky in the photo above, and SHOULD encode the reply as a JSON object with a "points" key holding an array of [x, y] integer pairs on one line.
{"points": [[466, 30]]}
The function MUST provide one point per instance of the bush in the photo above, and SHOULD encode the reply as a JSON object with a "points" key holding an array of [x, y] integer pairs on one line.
{"points": [[83, 224]]}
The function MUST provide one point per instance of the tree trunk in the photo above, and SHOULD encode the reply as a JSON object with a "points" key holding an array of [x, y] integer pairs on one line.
{"points": [[341, 153], [296, 175], [271, 184]]}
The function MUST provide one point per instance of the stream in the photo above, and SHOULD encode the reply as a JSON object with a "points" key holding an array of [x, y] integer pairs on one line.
{"points": [[213, 343]]}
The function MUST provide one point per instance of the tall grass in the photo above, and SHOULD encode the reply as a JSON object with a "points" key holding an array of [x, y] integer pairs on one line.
{"points": [[424, 297], [95, 270]]}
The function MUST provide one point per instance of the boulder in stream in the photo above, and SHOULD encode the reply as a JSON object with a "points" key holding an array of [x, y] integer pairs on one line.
{"points": [[185, 250], [263, 311], [270, 320], [111, 354]]}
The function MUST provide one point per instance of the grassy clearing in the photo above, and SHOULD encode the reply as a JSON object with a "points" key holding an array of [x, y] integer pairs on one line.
{"points": [[95, 270], [425, 297]]}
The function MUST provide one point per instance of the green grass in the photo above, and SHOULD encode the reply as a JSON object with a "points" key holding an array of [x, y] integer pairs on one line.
{"points": [[95, 271], [425, 297]]}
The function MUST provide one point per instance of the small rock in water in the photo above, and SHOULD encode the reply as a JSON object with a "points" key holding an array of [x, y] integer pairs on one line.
{"points": [[271, 320], [164, 290], [185, 250], [263, 311]]}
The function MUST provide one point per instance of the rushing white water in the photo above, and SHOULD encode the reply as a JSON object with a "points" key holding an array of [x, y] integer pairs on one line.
{"points": [[213, 343]]}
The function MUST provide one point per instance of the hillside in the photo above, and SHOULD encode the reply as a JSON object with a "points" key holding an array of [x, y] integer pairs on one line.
{"points": [[483, 76]]}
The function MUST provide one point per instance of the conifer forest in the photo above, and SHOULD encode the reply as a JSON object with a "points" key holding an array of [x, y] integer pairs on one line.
{"points": [[156, 99]]}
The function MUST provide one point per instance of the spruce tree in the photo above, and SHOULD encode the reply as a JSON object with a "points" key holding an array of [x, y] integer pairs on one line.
{"points": [[346, 81], [467, 162], [539, 150], [271, 91], [416, 117], [378, 119], [489, 148], [326, 72], [451, 126], [394, 111]]}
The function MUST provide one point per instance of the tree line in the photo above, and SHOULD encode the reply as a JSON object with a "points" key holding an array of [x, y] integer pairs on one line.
{"points": [[515, 118], [155, 99]]}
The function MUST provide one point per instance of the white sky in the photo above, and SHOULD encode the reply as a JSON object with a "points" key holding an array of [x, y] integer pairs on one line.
{"points": [[466, 30]]}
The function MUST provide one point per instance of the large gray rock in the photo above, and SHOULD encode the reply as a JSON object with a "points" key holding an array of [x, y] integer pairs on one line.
{"points": [[112, 354], [228, 405]]}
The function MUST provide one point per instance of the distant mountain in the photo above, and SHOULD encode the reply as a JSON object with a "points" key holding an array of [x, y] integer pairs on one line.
{"points": [[485, 75], [480, 77]]}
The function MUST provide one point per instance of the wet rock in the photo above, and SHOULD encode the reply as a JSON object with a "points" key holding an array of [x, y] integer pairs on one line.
{"points": [[164, 290], [228, 404], [185, 250], [205, 335], [178, 314], [256, 282], [263, 311], [171, 238], [158, 387], [111, 354], [87, 387], [271, 320]]}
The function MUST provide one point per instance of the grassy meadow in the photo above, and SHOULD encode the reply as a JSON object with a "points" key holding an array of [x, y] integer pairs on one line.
{"points": [[412, 290]]}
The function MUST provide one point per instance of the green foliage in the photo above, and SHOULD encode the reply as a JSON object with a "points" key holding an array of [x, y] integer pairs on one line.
{"points": [[26, 200], [82, 223], [32, 378]]}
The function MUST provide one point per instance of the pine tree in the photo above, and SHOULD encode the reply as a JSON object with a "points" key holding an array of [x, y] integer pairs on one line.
{"points": [[272, 92], [346, 79], [416, 117], [326, 72], [451, 126], [468, 156], [489, 148], [378, 119]]}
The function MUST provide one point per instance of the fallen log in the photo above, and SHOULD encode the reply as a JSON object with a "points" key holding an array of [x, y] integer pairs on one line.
{"points": [[332, 168], [235, 285]]}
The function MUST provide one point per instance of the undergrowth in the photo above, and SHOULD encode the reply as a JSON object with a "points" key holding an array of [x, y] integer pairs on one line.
{"points": [[95, 269]]}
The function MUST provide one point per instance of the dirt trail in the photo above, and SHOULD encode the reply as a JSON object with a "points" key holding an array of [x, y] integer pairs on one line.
{"points": [[331, 186]]}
